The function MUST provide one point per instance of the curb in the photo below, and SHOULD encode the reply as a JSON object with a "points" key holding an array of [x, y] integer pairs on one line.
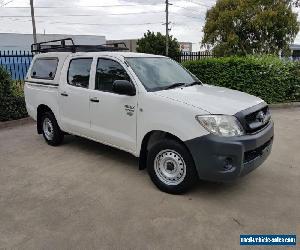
{"points": [[14, 123], [284, 105]]}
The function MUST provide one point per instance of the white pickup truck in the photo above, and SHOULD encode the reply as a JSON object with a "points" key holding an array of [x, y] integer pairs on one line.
{"points": [[150, 106]]}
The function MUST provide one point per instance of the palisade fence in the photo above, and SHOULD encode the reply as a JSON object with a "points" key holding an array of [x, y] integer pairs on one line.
{"points": [[192, 56], [16, 63]]}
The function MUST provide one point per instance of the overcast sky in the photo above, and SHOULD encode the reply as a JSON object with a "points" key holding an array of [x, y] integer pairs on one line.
{"points": [[129, 19]]}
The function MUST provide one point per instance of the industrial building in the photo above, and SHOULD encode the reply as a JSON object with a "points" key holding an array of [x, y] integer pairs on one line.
{"points": [[16, 41]]}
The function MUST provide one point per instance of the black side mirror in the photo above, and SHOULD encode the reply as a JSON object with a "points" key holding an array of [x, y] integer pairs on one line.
{"points": [[124, 87]]}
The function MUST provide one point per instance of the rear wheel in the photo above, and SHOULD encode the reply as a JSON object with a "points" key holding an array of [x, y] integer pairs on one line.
{"points": [[51, 131], [171, 167]]}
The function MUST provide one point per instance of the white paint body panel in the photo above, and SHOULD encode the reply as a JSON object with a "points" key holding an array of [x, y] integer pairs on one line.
{"points": [[47, 94], [109, 121], [213, 99], [75, 108], [171, 111]]}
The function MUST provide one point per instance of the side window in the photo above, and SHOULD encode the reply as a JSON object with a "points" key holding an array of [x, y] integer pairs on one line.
{"points": [[79, 72], [44, 68], [107, 72]]}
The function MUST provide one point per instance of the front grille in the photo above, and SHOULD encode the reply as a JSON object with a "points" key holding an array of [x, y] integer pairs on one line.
{"points": [[255, 118], [252, 154], [254, 124], [252, 117]]}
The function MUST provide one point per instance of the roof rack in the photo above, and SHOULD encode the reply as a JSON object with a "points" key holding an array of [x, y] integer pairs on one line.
{"points": [[68, 45]]}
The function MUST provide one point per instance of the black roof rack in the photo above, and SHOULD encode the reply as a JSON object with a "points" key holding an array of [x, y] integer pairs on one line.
{"points": [[68, 45]]}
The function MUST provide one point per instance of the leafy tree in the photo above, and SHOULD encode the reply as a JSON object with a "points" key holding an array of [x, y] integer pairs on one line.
{"points": [[250, 27], [156, 44]]}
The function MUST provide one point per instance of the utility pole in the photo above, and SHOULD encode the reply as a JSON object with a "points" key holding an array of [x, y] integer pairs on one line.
{"points": [[167, 27], [33, 22]]}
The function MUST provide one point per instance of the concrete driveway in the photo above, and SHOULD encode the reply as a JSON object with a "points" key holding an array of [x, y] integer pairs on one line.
{"points": [[89, 196]]}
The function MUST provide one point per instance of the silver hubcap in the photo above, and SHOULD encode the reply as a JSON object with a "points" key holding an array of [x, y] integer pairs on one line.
{"points": [[48, 129], [169, 167]]}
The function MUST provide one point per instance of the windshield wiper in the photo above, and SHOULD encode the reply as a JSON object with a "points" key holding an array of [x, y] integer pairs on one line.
{"points": [[193, 83], [175, 85]]}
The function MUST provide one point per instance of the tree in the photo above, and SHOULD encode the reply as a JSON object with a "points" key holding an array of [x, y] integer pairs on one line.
{"points": [[156, 44], [250, 27]]}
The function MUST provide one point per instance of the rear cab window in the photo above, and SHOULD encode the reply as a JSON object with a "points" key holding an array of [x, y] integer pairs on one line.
{"points": [[44, 68], [79, 72]]}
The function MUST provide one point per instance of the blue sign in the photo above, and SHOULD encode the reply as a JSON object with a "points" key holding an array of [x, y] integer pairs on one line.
{"points": [[268, 240]]}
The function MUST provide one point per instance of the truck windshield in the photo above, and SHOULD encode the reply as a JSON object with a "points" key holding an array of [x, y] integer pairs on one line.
{"points": [[158, 73]]}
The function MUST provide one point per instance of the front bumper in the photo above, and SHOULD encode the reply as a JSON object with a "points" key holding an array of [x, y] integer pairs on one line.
{"points": [[227, 158]]}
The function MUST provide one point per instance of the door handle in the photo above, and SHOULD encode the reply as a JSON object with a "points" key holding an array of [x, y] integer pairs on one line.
{"points": [[64, 94], [94, 99]]}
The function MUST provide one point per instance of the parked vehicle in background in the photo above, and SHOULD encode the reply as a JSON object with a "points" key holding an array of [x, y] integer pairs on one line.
{"points": [[151, 107]]}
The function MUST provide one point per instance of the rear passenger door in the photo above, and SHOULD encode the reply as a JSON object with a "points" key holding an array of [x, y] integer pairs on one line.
{"points": [[113, 116], [74, 96]]}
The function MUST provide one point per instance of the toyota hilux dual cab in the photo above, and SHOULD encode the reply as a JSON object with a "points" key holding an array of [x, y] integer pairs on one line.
{"points": [[150, 106]]}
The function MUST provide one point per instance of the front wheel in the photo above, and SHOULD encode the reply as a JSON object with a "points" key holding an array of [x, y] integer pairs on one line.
{"points": [[51, 131], [171, 167]]}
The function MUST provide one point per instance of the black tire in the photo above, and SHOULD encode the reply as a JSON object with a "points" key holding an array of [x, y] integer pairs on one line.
{"points": [[168, 146], [57, 135]]}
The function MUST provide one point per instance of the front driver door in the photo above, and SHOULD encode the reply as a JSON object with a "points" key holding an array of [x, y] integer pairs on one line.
{"points": [[113, 116]]}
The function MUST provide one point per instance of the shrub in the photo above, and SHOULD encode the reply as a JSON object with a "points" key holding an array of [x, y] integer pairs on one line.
{"points": [[18, 88], [270, 78], [12, 108], [5, 83], [12, 102]]}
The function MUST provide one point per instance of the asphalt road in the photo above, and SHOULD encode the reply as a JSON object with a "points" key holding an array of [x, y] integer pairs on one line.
{"points": [[89, 196]]}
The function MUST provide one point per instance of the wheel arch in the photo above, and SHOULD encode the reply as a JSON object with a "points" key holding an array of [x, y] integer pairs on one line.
{"points": [[149, 139], [42, 108]]}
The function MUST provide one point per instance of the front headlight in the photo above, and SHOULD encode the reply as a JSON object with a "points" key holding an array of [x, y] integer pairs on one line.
{"points": [[222, 125]]}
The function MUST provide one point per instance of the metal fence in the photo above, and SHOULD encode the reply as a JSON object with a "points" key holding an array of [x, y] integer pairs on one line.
{"points": [[16, 63], [192, 56]]}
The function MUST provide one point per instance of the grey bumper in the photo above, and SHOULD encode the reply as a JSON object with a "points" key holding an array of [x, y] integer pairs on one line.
{"points": [[227, 158]]}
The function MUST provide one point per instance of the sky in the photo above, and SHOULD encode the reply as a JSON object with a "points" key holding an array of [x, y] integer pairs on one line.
{"points": [[115, 19]]}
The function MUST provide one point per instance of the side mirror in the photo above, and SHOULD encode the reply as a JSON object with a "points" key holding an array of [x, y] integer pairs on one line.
{"points": [[124, 87]]}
